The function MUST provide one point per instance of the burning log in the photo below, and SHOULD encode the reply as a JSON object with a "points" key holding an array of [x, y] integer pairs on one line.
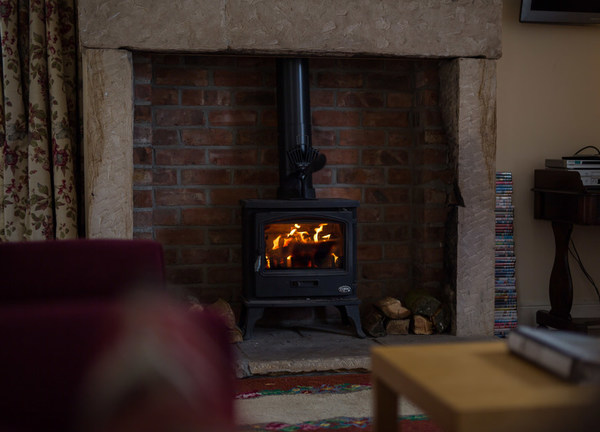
{"points": [[305, 255], [306, 245]]}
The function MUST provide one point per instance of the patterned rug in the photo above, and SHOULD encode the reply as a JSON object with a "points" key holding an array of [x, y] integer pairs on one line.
{"points": [[285, 395], [302, 384]]}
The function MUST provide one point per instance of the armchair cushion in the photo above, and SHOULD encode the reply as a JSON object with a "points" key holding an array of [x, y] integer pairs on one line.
{"points": [[75, 365], [46, 351], [57, 270]]}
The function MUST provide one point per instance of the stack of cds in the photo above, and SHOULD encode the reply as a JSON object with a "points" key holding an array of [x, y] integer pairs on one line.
{"points": [[505, 311]]}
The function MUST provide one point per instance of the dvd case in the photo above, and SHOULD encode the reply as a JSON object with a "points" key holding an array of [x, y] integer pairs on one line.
{"points": [[505, 298]]}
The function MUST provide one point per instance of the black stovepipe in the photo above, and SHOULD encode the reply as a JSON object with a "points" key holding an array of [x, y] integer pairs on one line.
{"points": [[294, 127]]}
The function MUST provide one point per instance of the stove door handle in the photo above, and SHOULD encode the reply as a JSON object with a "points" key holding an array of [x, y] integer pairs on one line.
{"points": [[257, 263]]}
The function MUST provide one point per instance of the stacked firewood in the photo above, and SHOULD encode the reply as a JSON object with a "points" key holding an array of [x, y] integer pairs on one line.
{"points": [[222, 308], [417, 313]]}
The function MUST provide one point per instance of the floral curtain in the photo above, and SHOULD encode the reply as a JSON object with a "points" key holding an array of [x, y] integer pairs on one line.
{"points": [[38, 120]]}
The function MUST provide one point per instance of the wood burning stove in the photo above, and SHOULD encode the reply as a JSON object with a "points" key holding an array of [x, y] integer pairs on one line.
{"points": [[298, 251]]}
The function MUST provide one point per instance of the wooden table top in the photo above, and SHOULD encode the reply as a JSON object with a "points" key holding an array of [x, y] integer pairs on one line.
{"points": [[481, 386]]}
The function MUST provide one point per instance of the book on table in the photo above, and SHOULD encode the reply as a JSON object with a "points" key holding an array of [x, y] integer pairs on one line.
{"points": [[569, 355]]}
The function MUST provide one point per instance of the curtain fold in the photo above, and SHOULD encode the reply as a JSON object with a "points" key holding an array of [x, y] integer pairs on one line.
{"points": [[38, 120]]}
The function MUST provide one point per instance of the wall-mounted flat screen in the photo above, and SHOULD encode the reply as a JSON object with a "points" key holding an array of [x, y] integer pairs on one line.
{"points": [[560, 11]]}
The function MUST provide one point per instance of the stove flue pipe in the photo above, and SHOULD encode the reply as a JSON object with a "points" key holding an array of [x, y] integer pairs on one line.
{"points": [[297, 158]]}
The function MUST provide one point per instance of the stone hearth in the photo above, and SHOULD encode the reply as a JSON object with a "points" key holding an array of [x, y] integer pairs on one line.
{"points": [[464, 33]]}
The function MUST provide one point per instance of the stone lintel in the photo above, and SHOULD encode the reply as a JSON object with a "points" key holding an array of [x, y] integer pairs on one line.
{"points": [[410, 28], [469, 108], [108, 143]]}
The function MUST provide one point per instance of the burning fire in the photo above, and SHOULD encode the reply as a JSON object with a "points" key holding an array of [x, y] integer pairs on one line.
{"points": [[299, 246]]}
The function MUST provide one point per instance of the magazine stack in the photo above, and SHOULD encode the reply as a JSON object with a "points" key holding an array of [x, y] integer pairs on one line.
{"points": [[505, 310]]}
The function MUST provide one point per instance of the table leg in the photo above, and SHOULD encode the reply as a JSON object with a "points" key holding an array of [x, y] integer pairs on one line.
{"points": [[561, 287], [385, 409]]}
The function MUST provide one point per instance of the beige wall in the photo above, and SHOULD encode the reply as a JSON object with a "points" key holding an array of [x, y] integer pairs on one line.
{"points": [[548, 107]]}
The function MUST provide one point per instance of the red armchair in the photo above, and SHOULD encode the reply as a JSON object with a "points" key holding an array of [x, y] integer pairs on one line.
{"points": [[50, 271], [63, 319]]}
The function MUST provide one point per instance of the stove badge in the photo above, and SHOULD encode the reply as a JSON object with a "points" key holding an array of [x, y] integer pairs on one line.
{"points": [[344, 289]]}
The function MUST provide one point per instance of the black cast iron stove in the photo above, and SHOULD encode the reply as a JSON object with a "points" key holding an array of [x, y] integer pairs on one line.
{"points": [[298, 251]]}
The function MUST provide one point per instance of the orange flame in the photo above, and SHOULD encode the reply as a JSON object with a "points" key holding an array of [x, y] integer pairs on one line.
{"points": [[276, 242], [317, 231], [287, 252]]}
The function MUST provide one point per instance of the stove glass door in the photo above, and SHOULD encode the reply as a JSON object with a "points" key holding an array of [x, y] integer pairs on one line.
{"points": [[304, 245]]}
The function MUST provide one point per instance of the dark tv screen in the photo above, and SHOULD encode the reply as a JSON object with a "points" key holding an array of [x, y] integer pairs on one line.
{"points": [[561, 11]]}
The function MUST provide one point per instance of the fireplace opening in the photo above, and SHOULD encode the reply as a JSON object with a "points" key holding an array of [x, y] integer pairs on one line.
{"points": [[206, 137]]}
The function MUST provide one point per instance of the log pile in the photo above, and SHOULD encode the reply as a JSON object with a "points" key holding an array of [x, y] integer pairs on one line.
{"points": [[418, 313], [222, 308]]}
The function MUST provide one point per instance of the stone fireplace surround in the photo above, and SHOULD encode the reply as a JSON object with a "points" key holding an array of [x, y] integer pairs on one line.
{"points": [[466, 33]]}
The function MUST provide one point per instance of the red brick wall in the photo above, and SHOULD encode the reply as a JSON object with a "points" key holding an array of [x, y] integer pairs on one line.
{"points": [[205, 137]]}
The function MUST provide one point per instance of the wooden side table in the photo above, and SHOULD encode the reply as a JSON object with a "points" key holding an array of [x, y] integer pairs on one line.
{"points": [[478, 386], [561, 197]]}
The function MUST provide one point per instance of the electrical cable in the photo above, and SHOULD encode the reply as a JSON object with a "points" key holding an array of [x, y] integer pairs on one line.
{"points": [[572, 249], [575, 254], [587, 147]]}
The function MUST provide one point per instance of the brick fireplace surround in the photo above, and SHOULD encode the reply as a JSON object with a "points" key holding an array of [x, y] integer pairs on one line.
{"points": [[179, 120]]}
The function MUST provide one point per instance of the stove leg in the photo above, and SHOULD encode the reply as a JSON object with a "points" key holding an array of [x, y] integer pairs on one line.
{"points": [[252, 315], [351, 314], [344, 314]]}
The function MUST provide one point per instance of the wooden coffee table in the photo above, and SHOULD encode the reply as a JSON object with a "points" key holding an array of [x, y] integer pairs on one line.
{"points": [[478, 387]]}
